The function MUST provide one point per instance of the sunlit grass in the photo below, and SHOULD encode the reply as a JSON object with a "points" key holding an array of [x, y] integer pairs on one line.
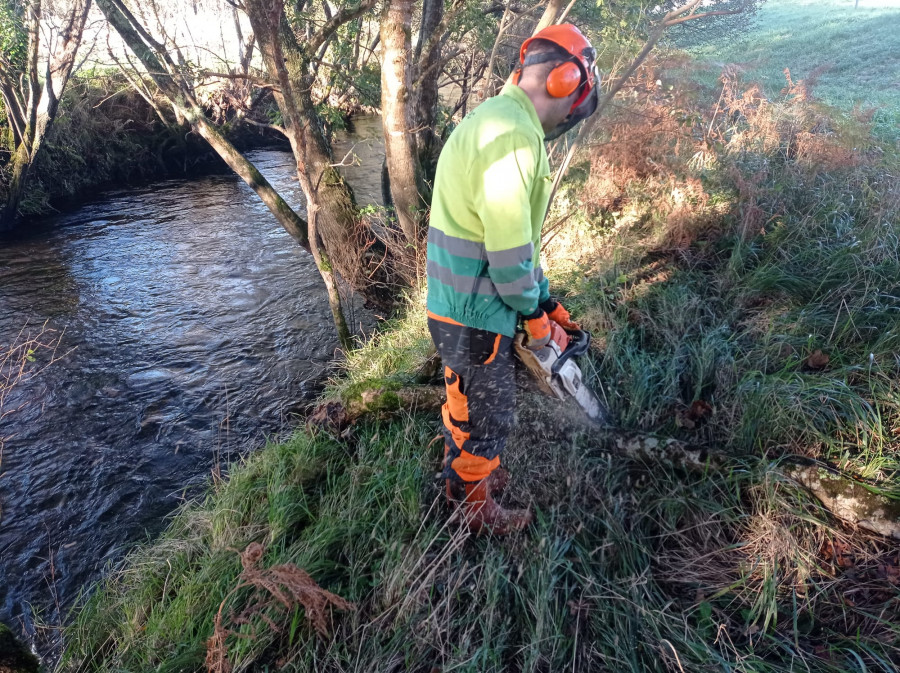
{"points": [[854, 53]]}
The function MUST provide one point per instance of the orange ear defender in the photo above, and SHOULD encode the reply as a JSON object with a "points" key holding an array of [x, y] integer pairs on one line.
{"points": [[574, 72], [564, 80]]}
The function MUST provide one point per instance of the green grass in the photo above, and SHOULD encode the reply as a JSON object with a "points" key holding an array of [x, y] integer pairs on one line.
{"points": [[734, 323], [856, 50], [627, 569]]}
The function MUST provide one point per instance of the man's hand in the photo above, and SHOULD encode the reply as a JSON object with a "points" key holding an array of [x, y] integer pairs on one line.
{"points": [[559, 315], [537, 328]]}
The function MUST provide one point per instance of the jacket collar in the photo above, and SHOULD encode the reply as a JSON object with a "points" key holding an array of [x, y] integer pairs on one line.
{"points": [[517, 94]]}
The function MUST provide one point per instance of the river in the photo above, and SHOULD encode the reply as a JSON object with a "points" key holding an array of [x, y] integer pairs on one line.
{"points": [[192, 330]]}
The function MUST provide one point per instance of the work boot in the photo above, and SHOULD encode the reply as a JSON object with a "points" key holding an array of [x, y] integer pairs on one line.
{"points": [[498, 479], [481, 511], [497, 482]]}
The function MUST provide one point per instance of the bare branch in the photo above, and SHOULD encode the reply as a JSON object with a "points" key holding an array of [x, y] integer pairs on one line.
{"points": [[271, 127], [132, 76], [138, 27], [345, 15], [440, 33], [253, 79], [18, 364], [675, 22], [562, 17]]}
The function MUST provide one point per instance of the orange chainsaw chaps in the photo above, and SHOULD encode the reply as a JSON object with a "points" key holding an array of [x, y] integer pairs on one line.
{"points": [[457, 402], [460, 437], [474, 468]]}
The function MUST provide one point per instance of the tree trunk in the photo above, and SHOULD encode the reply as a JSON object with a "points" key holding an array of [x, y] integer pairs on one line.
{"points": [[324, 266], [292, 223], [325, 190], [548, 18], [21, 165], [428, 141], [32, 123], [396, 113]]}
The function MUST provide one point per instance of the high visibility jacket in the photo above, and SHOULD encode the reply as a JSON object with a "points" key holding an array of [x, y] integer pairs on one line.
{"points": [[490, 196]]}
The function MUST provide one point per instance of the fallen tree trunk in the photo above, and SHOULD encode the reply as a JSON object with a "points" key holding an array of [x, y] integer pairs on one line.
{"points": [[337, 414], [846, 498]]}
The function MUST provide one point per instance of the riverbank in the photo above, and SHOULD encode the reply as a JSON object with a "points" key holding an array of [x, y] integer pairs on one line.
{"points": [[736, 258], [106, 135]]}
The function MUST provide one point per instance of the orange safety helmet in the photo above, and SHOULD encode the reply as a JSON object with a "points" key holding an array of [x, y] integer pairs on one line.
{"points": [[578, 71]]}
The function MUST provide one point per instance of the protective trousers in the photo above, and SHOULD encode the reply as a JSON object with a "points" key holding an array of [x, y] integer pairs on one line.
{"points": [[481, 397]]}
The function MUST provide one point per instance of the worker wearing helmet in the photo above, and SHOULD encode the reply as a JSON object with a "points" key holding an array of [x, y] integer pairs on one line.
{"points": [[491, 194]]}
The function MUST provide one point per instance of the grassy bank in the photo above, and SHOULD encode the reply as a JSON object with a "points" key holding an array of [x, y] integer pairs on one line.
{"points": [[737, 259]]}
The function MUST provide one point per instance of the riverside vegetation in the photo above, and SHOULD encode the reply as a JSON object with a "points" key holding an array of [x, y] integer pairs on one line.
{"points": [[736, 254], [106, 134]]}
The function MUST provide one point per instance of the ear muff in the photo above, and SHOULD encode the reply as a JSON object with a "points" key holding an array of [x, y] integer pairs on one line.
{"points": [[564, 80]]}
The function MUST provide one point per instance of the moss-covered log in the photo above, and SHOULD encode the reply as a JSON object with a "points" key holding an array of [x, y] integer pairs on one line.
{"points": [[848, 500], [381, 399]]}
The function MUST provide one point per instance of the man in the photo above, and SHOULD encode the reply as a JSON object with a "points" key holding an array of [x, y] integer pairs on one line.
{"points": [[490, 197]]}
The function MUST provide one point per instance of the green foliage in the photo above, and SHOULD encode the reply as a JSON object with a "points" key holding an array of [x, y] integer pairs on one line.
{"points": [[367, 82], [13, 39], [332, 117]]}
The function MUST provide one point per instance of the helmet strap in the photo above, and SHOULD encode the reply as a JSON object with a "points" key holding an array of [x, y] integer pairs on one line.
{"points": [[546, 57]]}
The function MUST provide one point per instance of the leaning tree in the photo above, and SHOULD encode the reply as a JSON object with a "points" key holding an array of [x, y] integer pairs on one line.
{"points": [[289, 44]]}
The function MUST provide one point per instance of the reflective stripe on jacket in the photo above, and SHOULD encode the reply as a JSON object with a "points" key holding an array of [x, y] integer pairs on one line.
{"points": [[490, 196]]}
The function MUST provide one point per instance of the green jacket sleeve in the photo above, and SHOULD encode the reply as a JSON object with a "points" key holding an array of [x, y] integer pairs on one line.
{"points": [[502, 201]]}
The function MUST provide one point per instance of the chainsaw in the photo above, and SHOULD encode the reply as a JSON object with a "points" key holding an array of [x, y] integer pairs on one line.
{"points": [[556, 372]]}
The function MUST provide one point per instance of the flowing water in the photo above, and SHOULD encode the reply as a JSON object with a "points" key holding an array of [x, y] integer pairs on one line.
{"points": [[192, 329]]}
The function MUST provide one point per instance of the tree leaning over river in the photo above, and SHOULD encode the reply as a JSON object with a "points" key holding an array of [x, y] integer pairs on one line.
{"points": [[338, 239], [178, 91], [312, 59]]}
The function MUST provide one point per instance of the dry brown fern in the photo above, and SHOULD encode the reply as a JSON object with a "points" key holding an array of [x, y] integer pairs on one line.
{"points": [[277, 591]]}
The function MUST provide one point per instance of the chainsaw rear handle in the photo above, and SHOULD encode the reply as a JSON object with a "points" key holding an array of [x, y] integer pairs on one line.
{"points": [[581, 341]]}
